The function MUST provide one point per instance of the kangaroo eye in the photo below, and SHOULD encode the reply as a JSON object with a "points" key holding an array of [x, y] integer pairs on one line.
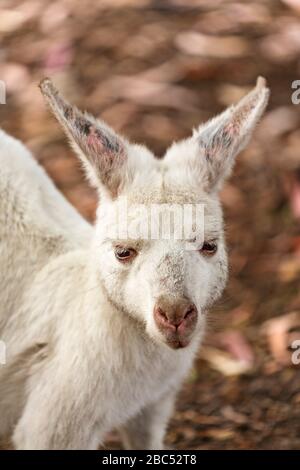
{"points": [[125, 254], [208, 248]]}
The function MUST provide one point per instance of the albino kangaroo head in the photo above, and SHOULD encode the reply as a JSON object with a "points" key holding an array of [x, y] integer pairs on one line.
{"points": [[164, 270]]}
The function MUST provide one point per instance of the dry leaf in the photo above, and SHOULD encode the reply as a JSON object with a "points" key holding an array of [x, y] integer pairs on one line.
{"points": [[224, 363], [225, 47]]}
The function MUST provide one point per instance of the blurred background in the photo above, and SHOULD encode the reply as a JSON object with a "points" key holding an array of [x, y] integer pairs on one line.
{"points": [[154, 70]]}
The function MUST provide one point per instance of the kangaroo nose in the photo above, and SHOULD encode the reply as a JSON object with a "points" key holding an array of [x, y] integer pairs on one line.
{"points": [[173, 316]]}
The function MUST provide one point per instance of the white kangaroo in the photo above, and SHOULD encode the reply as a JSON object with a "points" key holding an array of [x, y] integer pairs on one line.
{"points": [[100, 331]]}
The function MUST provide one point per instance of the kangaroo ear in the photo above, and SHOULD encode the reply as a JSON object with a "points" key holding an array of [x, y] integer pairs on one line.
{"points": [[212, 149], [102, 152]]}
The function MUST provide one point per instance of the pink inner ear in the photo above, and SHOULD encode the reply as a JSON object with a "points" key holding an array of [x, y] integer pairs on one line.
{"points": [[232, 128], [93, 139]]}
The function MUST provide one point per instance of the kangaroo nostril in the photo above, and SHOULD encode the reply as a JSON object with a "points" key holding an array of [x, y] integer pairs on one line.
{"points": [[190, 311], [161, 313]]}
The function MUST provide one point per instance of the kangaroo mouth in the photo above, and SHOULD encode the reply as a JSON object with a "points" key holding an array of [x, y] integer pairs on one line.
{"points": [[178, 345], [177, 342]]}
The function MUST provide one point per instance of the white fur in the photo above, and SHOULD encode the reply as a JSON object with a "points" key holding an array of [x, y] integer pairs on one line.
{"points": [[84, 355]]}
